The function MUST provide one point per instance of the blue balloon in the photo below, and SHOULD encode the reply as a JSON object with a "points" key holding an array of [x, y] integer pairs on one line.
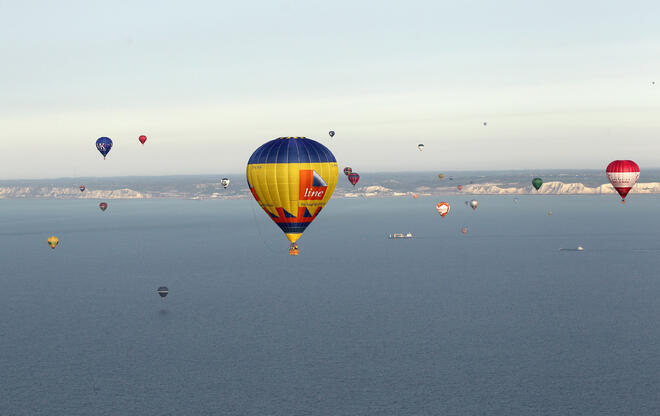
{"points": [[331, 133], [104, 144]]}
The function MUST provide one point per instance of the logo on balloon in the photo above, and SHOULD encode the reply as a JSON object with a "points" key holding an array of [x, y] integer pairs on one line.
{"points": [[312, 185]]}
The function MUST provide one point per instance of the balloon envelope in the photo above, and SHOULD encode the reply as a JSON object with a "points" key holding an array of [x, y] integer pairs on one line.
{"points": [[103, 206], [82, 188], [104, 144], [332, 133], [623, 174], [415, 196], [292, 179], [420, 147], [474, 204], [441, 175], [142, 139], [347, 171], [537, 182], [225, 182], [459, 187], [353, 178], [163, 291], [53, 241], [442, 208]]}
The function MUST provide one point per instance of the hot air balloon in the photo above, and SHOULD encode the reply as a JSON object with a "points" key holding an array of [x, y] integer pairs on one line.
{"points": [[442, 208], [53, 241], [82, 188], [225, 182], [441, 175], [142, 139], [464, 230], [415, 196], [104, 144], [163, 291], [292, 179], [331, 133], [103, 206], [459, 187], [537, 182], [474, 204], [353, 178], [347, 171], [550, 213], [485, 124], [420, 147], [515, 200], [623, 175]]}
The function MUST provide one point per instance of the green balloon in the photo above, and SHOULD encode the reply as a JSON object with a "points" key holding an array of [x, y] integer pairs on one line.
{"points": [[537, 182]]}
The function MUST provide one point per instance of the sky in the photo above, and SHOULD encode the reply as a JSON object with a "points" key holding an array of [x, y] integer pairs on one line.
{"points": [[561, 84]]}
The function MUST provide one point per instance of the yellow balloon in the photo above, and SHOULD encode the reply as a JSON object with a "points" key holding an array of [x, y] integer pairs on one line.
{"points": [[292, 178], [53, 242]]}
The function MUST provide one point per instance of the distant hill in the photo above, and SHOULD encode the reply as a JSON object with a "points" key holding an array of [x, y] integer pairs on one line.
{"points": [[377, 184]]}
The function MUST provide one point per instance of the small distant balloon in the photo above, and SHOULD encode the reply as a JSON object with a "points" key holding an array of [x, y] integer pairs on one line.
{"points": [[347, 171], [464, 230], [103, 206], [225, 182], [104, 144], [163, 291], [441, 175], [415, 196], [53, 241], [331, 133], [459, 187], [474, 204], [515, 200], [442, 208], [82, 188], [537, 182], [485, 123], [420, 147], [142, 139], [550, 212], [353, 178]]}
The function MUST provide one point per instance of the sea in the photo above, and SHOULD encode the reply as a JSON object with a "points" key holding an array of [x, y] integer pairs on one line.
{"points": [[497, 321]]}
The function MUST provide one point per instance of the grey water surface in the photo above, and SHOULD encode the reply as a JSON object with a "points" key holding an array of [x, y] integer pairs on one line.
{"points": [[495, 322]]}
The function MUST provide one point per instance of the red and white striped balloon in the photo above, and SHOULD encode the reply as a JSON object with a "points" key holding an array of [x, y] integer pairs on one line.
{"points": [[623, 175]]}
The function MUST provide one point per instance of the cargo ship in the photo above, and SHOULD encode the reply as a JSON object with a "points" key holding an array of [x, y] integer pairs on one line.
{"points": [[401, 235]]}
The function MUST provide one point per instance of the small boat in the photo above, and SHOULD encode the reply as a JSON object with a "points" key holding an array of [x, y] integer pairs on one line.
{"points": [[401, 235]]}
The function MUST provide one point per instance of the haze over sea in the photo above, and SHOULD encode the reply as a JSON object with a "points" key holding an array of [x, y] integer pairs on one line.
{"points": [[495, 322]]}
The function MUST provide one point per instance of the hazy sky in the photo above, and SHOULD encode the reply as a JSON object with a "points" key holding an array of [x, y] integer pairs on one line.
{"points": [[560, 83]]}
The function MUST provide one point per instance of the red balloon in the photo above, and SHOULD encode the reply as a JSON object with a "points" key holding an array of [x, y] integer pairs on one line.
{"points": [[103, 206], [623, 175], [460, 187], [142, 139], [353, 178]]}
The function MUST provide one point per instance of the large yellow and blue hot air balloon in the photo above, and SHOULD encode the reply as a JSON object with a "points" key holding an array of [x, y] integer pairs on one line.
{"points": [[292, 178]]}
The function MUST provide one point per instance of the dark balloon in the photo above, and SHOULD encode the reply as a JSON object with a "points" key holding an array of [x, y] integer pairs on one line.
{"points": [[331, 133], [353, 178], [104, 144], [347, 171], [82, 188], [103, 206], [163, 291]]}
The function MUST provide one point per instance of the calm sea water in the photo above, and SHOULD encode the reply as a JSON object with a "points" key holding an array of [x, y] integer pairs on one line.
{"points": [[495, 322]]}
